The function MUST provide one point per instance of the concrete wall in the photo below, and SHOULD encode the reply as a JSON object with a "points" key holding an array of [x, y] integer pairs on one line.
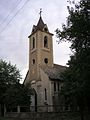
{"points": [[45, 116]]}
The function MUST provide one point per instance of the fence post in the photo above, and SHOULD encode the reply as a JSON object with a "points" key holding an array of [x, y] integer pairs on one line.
{"points": [[18, 109], [4, 110]]}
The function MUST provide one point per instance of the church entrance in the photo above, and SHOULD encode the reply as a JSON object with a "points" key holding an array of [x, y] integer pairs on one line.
{"points": [[33, 106]]}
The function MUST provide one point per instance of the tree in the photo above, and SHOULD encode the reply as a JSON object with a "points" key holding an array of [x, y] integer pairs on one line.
{"points": [[77, 75], [12, 93], [17, 95], [9, 75]]}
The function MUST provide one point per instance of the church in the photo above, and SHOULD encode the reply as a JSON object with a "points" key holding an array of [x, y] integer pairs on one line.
{"points": [[43, 75]]}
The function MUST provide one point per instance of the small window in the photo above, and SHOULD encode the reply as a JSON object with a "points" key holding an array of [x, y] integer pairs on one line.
{"points": [[46, 60], [45, 90], [33, 30], [54, 86], [33, 44], [58, 86], [45, 29], [45, 41], [33, 61]]}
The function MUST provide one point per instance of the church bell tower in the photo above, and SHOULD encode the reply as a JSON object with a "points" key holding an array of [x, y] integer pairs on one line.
{"points": [[40, 49]]}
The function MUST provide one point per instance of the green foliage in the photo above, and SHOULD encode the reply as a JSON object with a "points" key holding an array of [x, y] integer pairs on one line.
{"points": [[9, 74], [17, 95], [12, 93], [77, 31]]}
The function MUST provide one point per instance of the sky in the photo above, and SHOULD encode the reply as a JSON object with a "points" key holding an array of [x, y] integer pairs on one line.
{"points": [[17, 18]]}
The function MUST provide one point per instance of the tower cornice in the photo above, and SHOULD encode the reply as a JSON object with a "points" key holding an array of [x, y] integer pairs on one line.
{"points": [[41, 31]]}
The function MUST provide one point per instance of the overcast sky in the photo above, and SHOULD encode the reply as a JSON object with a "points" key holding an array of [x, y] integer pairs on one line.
{"points": [[16, 20]]}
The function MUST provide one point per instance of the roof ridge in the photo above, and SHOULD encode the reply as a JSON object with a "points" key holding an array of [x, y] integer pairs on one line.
{"points": [[59, 65]]}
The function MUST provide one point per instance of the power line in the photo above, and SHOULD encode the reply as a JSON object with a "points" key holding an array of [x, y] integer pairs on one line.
{"points": [[13, 9], [14, 16]]}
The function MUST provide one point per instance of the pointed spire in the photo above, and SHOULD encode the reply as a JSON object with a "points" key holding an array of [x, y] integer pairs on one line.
{"points": [[40, 24]]}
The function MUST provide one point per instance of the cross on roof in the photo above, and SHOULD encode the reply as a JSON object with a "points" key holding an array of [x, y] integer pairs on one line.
{"points": [[40, 11]]}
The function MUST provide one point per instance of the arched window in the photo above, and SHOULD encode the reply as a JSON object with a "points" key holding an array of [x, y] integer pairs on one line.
{"points": [[45, 41], [45, 90], [58, 86], [46, 60], [45, 29], [33, 61], [54, 86], [33, 43]]}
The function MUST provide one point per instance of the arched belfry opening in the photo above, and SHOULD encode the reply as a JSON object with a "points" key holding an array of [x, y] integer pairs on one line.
{"points": [[46, 42], [33, 44]]}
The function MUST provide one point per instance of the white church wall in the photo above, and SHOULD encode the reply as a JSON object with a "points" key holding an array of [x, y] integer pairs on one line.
{"points": [[46, 84]]}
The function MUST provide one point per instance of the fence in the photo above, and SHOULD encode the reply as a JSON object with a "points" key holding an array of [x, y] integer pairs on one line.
{"points": [[49, 112], [47, 108]]}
